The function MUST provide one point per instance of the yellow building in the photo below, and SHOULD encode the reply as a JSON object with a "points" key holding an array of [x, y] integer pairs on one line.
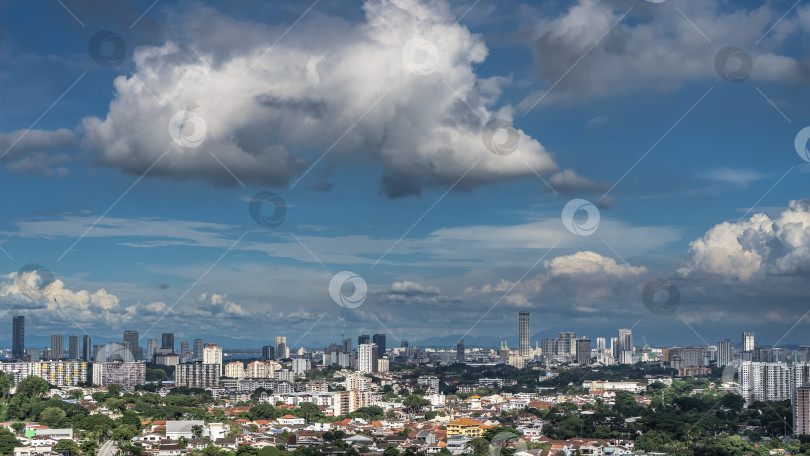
{"points": [[464, 426]]}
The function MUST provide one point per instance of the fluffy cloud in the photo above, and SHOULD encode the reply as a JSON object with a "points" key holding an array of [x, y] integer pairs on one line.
{"points": [[582, 279], [219, 304], [270, 110], [655, 46], [60, 306], [408, 288], [591, 264], [756, 247]]}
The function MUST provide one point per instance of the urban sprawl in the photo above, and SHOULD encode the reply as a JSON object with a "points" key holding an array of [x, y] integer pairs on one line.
{"points": [[562, 396]]}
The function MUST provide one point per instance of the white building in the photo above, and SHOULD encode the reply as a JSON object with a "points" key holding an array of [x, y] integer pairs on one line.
{"points": [[212, 354], [367, 358], [300, 366], [177, 429], [356, 382], [765, 381]]}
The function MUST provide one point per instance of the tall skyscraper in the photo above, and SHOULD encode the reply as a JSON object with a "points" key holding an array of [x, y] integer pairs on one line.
{"points": [[197, 349], [167, 341], [583, 351], [185, 350], [152, 346], [379, 341], [57, 346], [625, 346], [801, 410], [460, 357], [18, 337], [347, 345], [364, 339], [600, 343], [748, 341], [73, 347], [268, 353], [566, 345], [281, 347], [133, 344], [87, 348], [724, 354], [524, 346], [367, 358]]}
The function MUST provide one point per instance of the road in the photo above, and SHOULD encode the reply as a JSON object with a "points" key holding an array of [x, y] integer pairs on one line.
{"points": [[107, 448]]}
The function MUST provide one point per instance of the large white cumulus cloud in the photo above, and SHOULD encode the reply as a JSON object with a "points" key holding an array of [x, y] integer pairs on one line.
{"points": [[756, 247], [272, 110]]}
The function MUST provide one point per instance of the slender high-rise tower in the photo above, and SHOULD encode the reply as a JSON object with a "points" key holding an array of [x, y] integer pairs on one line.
{"points": [[281, 347], [87, 348], [625, 347], [18, 337], [73, 347], [57, 347], [524, 346], [748, 341]]}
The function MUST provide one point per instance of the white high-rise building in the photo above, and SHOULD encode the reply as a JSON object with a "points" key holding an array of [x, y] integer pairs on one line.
{"points": [[748, 341], [212, 354], [300, 365], [624, 347], [600, 343], [282, 351], [765, 381], [367, 358], [724, 353], [152, 346]]}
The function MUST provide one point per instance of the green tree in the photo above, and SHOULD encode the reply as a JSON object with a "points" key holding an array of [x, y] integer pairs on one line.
{"points": [[97, 424], [479, 446], [124, 433], [308, 411], [414, 403], [67, 444], [8, 442], [89, 447], [130, 417], [52, 417], [32, 387], [18, 427]]}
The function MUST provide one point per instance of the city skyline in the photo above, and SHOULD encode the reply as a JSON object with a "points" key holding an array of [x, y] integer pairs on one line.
{"points": [[746, 342]]}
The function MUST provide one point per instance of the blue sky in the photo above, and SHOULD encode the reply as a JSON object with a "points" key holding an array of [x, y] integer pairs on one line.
{"points": [[367, 119]]}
